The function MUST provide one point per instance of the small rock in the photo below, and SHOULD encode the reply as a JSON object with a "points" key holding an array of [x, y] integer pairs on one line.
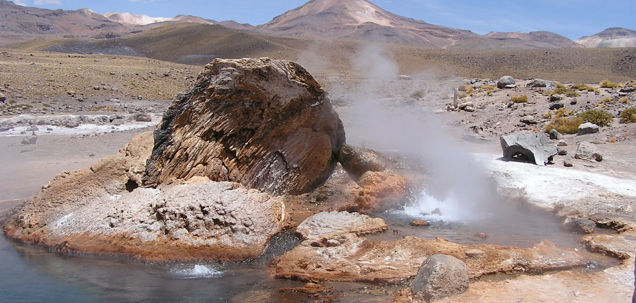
{"points": [[588, 128], [469, 109], [474, 253], [71, 124], [582, 226], [528, 120], [140, 97], [2, 98], [29, 140], [588, 151], [562, 143], [481, 235], [96, 87], [80, 99], [567, 163], [420, 223], [561, 151], [112, 73], [574, 101], [464, 105], [555, 135], [143, 118], [506, 82], [628, 89], [71, 93], [537, 83], [440, 276], [118, 122], [557, 105], [555, 98]]}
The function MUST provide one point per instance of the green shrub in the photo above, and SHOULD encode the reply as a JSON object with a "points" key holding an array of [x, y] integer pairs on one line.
{"points": [[628, 115], [519, 99], [598, 117], [565, 125]]}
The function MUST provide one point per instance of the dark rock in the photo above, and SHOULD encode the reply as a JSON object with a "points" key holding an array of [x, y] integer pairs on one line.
{"points": [[440, 276], [561, 151], [71, 124], [143, 118], [574, 101], [506, 82], [537, 83], [555, 98], [2, 98], [555, 135], [29, 140], [264, 123], [582, 226], [465, 105], [588, 151], [536, 148], [588, 128], [557, 105], [628, 89], [357, 161], [567, 163]]}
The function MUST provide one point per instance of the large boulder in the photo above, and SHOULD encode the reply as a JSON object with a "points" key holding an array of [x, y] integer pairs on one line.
{"points": [[263, 123], [587, 128], [440, 276], [536, 148], [506, 82]]}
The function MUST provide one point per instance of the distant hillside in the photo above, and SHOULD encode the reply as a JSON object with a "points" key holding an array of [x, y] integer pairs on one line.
{"points": [[610, 38], [540, 39]]}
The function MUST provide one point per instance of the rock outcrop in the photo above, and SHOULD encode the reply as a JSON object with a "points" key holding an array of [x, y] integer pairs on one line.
{"points": [[102, 210], [588, 151], [331, 224], [363, 260], [536, 148], [263, 123], [587, 128], [440, 276]]}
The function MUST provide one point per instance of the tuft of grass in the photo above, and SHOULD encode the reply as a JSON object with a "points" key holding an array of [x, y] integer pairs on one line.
{"points": [[563, 112], [489, 93], [547, 115], [586, 87], [609, 84], [565, 125], [606, 100], [624, 100], [613, 140], [469, 89], [519, 99], [598, 117], [628, 115], [488, 87], [562, 90]]}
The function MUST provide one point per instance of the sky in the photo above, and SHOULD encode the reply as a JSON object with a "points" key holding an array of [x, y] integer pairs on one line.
{"points": [[571, 18]]}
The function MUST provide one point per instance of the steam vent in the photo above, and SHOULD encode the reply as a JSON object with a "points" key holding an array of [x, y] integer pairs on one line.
{"points": [[263, 123]]}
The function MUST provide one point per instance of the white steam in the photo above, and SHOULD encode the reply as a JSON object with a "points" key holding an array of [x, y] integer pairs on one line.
{"points": [[461, 188]]}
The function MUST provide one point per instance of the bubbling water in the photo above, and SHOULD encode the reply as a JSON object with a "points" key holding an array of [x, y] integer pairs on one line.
{"points": [[197, 271], [447, 209]]}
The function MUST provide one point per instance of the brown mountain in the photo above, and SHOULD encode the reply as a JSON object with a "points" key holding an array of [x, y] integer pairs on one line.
{"points": [[610, 38], [361, 20], [539, 39], [19, 23]]}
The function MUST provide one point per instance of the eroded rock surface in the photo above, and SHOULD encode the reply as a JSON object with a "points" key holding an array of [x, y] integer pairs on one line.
{"points": [[357, 161], [537, 148], [265, 124], [363, 260], [329, 224]]}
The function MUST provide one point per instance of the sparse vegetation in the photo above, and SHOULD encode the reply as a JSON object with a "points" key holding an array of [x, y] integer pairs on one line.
{"points": [[562, 90], [585, 87], [628, 115], [624, 100], [598, 117], [565, 125], [547, 115], [519, 99], [563, 112], [609, 84], [606, 100], [488, 87]]}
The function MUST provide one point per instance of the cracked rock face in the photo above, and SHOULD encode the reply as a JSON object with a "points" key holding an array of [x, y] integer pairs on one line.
{"points": [[263, 123]]}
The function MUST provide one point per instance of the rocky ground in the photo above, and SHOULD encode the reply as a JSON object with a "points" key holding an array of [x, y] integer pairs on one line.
{"points": [[474, 119]]}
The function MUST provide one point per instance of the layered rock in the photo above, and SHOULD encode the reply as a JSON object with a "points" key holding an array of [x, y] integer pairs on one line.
{"points": [[265, 124], [101, 210], [364, 260], [329, 224]]}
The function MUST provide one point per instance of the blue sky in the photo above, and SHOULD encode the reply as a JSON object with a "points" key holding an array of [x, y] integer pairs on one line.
{"points": [[570, 18]]}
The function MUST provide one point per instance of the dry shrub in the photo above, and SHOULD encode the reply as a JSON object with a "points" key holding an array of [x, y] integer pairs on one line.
{"points": [[519, 99], [547, 115], [624, 100], [598, 117], [628, 115], [609, 84], [606, 100], [563, 112], [488, 87], [586, 87], [565, 125]]}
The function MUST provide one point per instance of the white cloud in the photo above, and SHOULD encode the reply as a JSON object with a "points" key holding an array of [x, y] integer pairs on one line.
{"points": [[44, 2], [20, 2]]}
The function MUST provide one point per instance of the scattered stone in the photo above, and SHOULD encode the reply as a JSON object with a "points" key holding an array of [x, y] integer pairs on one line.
{"points": [[574, 101], [420, 223], [562, 151], [2, 98], [71, 124], [506, 82], [555, 135], [357, 161], [143, 118], [588, 128], [463, 106], [440, 276], [628, 89], [33, 128], [118, 122], [469, 109], [528, 120], [557, 105], [580, 225], [588, 151], [71, 93], [140, 97], [537, 83], [112, 73], [80, 99], [536, 148], [567, 163], [284, 139], [555, 98], [562, 143], [29, 140], [333, 224], [97, 87]]}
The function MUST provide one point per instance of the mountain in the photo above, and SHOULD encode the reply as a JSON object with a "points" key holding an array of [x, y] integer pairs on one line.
{"points": [[610, 38], [361, 20], [539, 39], [19, 23], [132, 20]]}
